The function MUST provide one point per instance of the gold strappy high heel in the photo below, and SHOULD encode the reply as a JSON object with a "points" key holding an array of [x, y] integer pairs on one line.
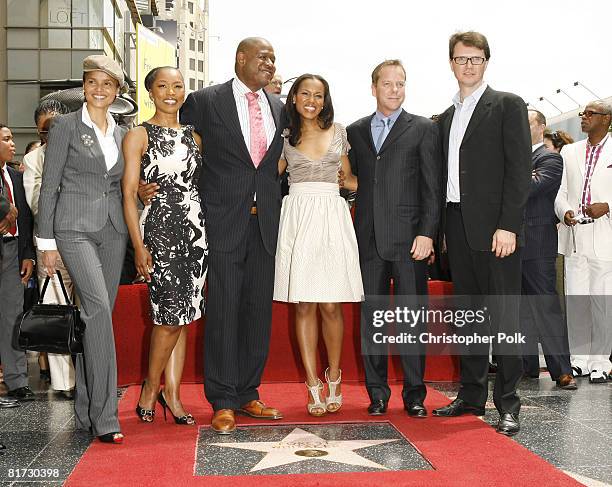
{"points": [[333, 402], [317, 408]]}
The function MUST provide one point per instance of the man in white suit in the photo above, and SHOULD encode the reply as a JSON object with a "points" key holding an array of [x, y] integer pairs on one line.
{"points": [[585, 239]]}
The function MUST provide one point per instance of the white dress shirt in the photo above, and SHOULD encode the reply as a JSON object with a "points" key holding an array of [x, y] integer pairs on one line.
{"points": [[535, 147], [7, 178], [109, 149], [461, 119]]}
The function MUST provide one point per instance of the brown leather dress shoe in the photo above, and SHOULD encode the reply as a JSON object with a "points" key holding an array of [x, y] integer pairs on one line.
{"points": [[257, 409], [223, 422], [567, 382]]}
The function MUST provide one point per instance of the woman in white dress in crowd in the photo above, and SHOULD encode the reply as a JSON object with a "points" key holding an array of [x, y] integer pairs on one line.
{"points": [[317, 261]]}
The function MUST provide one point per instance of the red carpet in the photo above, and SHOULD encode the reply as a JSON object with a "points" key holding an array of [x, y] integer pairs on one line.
{"points": [[132, 327], [463, 451]]}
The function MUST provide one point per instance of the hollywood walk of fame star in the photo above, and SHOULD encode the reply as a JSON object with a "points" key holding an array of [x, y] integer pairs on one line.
{"points": [[300, 445]]}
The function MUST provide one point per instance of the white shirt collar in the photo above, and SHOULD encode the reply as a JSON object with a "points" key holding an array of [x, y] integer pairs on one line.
{"points": [[242, 89], [86, 119], [535, 147], [473, 98]]}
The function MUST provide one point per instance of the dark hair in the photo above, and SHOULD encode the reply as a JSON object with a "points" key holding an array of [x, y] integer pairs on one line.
{"points": [[326, 117], [471, 39], [151, 75], [388, 62], [30, 145], [2, 126], [540, 118], [559, 138], [49, 106]]}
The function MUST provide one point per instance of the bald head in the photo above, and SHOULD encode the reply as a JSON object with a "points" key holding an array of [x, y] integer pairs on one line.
{"points": [[255, 62]]}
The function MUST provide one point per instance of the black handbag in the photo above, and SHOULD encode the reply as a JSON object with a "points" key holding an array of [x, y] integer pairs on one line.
{"points": [[54, 328]]}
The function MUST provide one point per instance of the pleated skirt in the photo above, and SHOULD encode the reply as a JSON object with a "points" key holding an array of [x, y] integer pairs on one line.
{"points": [[317, 259]]}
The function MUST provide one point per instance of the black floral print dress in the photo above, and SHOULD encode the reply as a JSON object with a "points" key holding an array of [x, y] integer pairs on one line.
{"points": [[172, 225]]}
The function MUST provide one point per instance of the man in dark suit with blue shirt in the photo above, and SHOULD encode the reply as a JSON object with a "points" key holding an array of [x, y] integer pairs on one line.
{"points": [[541, 316], [396, 157], [241, 128]]}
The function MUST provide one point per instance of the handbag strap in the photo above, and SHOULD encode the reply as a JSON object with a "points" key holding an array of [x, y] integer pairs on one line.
{"points": [[46, 283]]}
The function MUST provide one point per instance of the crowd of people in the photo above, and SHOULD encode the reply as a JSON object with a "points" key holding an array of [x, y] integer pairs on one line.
{"points": [[197, 190]]}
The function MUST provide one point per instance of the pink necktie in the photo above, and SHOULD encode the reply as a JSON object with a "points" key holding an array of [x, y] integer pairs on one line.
{"points": [[258, 143]]}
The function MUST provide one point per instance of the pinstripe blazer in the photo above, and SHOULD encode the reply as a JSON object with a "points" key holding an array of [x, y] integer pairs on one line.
{"points": [[399, 188], [78, 192], [229, 180], [541, 221], [5, 206]]}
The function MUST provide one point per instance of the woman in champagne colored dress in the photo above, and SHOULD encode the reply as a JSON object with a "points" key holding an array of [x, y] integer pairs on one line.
{"points": [[317, 261]]}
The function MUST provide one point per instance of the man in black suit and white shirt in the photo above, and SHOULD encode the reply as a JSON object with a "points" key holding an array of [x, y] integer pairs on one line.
{"points": [[396, 157], [486, 148], [541, 316], [241, 127]]}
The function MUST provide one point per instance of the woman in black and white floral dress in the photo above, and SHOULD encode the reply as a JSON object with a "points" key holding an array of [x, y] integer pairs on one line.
{"points": [[170, 247]]}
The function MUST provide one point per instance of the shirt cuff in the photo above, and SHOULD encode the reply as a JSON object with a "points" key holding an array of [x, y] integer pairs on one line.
{"points": [[46, 243]]}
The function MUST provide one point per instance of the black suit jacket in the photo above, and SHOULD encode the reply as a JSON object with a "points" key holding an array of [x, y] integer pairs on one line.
{"points": [[398, 196], [5, 206], [541, 228], [24, 217], [494, 167], [229, 180]]}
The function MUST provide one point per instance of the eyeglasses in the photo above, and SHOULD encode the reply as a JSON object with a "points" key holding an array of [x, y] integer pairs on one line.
{"points": [[475, 60], [590, 113]]}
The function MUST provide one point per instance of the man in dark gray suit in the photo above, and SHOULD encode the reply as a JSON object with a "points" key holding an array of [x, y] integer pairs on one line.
{"points": [[541, 316], [396, 157], [16, 266], [241, 127]]}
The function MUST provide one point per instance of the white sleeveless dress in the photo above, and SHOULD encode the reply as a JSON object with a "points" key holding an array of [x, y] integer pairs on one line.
{"points": [[317, 259]]}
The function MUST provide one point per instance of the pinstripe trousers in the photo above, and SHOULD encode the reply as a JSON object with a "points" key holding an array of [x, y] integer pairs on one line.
{"points": [[409, 280], [94, 261]]}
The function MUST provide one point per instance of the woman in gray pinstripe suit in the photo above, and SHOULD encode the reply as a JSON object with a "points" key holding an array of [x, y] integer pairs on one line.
{"points": [[80, 215]]}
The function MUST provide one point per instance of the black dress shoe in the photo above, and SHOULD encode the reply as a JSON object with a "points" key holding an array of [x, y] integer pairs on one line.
{"points": [[2, 448], [68, 395], [416, 410], [376, 408], [22, 394], [457, 408], [8, 402], [508, 424]]}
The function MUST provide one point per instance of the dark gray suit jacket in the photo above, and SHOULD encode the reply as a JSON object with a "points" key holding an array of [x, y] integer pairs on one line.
{"points": [[5, 206], [78, 192], [541, 220], [229, 180], [494, 167], [398, 196]]}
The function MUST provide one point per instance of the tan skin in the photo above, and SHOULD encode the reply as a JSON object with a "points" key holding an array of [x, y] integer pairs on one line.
{"points": [[7, 152], [314, 144], [100, 91], [168, 343], [596, 126]]}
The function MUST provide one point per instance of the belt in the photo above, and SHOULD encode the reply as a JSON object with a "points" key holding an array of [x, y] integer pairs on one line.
{"points": [[8, 239], [253, 209], [453, 205]]}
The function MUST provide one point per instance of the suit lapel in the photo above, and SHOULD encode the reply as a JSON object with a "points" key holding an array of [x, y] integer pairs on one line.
{"points": [[605, 158], [447, 119], [482, 109], [226, 108], [537, 153], [88, 139], [403, 123], [365, 130]]}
